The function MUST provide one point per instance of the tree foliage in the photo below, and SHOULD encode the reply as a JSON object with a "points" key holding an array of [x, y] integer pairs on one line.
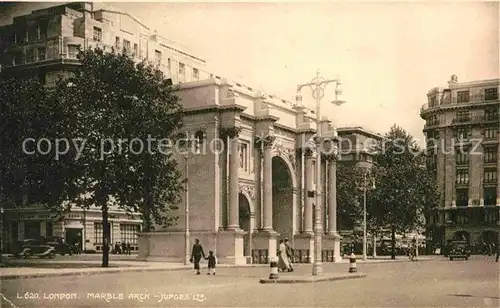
{"points": [[120, 111], [349, 209], [405, 190], [27, 114]]}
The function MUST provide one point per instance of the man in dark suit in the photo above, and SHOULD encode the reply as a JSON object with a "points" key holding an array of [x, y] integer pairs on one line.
{"points": [[196, 255]]}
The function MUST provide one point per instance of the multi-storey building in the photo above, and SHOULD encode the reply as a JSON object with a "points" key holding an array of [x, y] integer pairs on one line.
{"points": [[45, 44], [462, 133]]}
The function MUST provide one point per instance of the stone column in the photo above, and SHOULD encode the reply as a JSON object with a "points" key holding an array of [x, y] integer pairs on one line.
{"points": [[309, 179], [332, 197], [268, 185], [234, 164]]}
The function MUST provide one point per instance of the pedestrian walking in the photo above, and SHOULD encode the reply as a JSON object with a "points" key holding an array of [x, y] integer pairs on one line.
{"points": [[283, 262], [117, 248], [196, 255], [498, 253], [211, 263], [124, 248], [129, 248]]}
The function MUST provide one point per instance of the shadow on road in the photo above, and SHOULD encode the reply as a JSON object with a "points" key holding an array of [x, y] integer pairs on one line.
{"points": [[469, 295]]}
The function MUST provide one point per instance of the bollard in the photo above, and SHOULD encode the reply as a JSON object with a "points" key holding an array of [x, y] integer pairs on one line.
{"points": [[274, 268], [352, 263]]}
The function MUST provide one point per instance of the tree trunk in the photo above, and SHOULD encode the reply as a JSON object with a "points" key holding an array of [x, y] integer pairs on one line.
{"points": [[393, 242], [106, 232]]}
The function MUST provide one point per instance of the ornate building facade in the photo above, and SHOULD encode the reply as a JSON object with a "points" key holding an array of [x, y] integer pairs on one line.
{"points": [[462, 132], [251, 178]]}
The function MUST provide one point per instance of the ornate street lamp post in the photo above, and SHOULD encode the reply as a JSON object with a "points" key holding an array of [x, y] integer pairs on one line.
{"points": [[317, 86]]}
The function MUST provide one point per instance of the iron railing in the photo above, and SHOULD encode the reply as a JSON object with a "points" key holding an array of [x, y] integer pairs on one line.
{"points": [[260, 256], [479, 98]]}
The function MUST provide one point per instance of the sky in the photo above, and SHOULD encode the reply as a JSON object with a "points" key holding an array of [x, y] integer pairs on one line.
{"points": [[387, 54]]}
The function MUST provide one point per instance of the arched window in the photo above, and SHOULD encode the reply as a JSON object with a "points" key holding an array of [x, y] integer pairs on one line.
{"points": [[199, 139]]}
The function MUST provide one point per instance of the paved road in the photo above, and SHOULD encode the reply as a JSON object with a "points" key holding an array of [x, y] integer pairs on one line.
{"points": [[438, 283]]}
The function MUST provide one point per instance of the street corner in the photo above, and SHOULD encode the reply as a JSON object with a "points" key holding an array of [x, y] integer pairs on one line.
{"points": [[311, 279]]}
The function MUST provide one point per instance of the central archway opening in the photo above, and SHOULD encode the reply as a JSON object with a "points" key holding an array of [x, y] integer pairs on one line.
{"points": [[282, 198]]}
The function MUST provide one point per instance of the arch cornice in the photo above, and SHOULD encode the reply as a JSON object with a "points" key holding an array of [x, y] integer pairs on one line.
{"points": [[291, 168]]}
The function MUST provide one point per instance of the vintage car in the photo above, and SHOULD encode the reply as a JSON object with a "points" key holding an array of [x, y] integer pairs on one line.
{"points": [[34, 248], [59, 245], [459, 250]]}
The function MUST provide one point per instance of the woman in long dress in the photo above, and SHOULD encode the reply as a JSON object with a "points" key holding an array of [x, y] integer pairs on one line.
{"points": [[283, 262]]}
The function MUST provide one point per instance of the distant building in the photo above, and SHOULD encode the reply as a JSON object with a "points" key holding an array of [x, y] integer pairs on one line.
{"points": [[46, 42], [462, 133]]}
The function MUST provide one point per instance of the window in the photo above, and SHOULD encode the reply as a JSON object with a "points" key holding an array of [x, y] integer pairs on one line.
{"points": [[182, 68], [73, 51], [490, 155], [243, 150], [433, 120], [129, 233], [42, 28], [463, 116], [432, 101], [97, 34], [490, 195], [41, 54], [33, 33], [49, 228], [462, 133], [126, 46], [199, 138], [196, 74], [462, 197], [30, 55], [491, 216], [462, 159], [31, 229], [169, 65], [18, 59], [136, 50], [490, 176], [490, 133], [491, 94], [98, 233], [491, 114], [158, 57], [431, 161], [117, 43], [462, 176], [463, 96]]}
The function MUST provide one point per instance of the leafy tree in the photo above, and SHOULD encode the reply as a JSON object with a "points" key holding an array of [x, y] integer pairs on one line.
{"points": [[349, 209], [120, 111], [404, 188], [28, 175]]}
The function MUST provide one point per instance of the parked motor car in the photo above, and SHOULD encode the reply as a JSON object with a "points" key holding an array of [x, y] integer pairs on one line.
{"points": [[33, 248], [459, 250], [60, 246]]}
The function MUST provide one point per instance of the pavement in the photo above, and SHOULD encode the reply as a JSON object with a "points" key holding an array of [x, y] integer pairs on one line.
{"points": [[91, 265], [435, 283]]}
